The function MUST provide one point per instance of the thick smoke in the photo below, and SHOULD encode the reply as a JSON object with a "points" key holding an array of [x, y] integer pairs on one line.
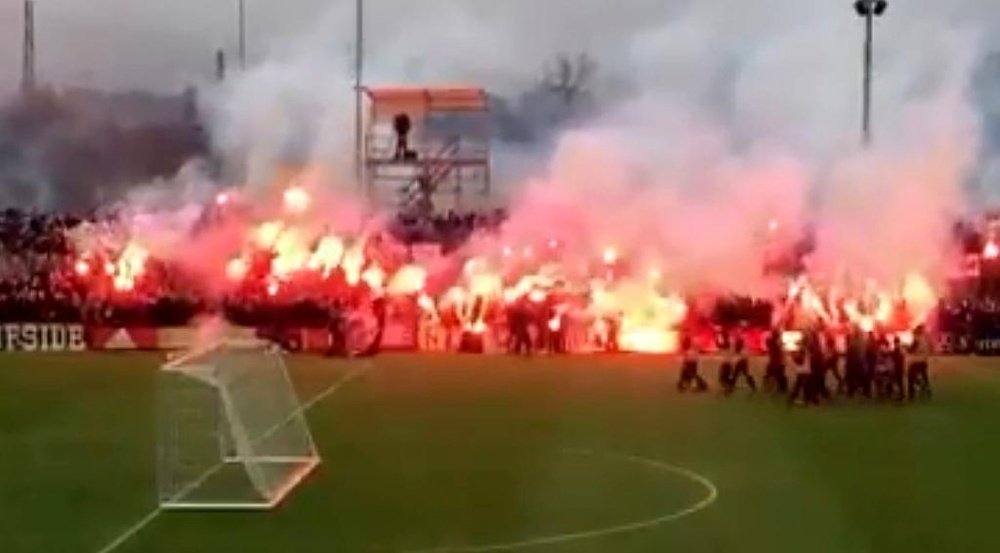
{"points": [[711, 130], [715, 126]]}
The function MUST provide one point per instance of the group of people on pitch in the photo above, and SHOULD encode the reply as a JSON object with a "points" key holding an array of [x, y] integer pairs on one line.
{"points": [[868, 364]]}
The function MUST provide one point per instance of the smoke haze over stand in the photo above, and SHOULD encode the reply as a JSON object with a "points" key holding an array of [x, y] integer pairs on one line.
{"points": [[720, 101]]}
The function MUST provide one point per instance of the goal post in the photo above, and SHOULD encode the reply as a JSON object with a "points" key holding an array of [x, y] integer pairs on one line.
{"points": [[231, 430]]}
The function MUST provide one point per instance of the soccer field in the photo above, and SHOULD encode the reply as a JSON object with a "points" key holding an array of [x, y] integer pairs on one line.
{"points": [[477, 453]]}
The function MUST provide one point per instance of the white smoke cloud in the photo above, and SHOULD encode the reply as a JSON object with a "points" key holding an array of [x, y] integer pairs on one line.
{"points": [[713, 120]]}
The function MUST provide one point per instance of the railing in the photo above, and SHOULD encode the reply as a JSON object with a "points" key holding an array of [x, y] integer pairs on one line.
{"points": [[433, 170], [381, 148]]}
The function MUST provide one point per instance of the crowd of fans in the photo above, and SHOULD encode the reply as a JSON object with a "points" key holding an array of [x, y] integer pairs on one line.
{"points": [[41, 281], [43, 278], [450, 230]]}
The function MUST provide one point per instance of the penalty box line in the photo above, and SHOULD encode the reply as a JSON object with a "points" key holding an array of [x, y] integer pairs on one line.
{"points": [[145, 521]]}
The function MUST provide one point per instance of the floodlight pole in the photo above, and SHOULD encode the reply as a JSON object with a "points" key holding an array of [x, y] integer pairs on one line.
{"points": [[241, 10], [866, 123], [868, 9], [359, 45]]}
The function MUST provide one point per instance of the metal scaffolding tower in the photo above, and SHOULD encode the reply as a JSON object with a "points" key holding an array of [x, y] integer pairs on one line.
{"points": [[444, 161]]}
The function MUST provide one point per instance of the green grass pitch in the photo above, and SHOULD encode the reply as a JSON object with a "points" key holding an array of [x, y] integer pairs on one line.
{"points": [[555, 455]]}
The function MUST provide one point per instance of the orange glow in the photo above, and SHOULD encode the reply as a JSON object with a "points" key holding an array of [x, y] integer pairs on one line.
{"points": [[297, 200], [327, 256], [123, 284], [236, 269], [408, 280], [555, 323], [866, 324], [919, 296], [267, 234], [510, 295], [791, 340], [374, 277], [991, 250], [454, 296], [486, 284], [352, 262], [426, 303], [649, 340], [131, 264], [82, 268]]}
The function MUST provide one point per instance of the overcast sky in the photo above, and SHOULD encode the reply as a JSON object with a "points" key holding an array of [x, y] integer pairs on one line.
{"points": [[147, 44], [120, 44]]}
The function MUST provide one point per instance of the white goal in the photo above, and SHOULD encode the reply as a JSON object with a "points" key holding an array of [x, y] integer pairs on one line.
{"points": [[231, 430]]}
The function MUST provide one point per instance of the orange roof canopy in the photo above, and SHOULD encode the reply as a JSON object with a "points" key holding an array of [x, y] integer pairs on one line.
{"points": [[423, 100]]}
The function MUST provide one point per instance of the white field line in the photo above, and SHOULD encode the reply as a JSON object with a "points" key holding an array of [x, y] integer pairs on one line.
{"points": [[711, 494], [152, 515]]}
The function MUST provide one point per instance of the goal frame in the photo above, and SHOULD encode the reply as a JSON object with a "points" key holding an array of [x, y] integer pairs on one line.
{"points": [[305, 464]]}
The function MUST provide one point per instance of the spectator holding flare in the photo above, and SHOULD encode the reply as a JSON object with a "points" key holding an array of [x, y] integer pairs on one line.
{"points": [[689, 368], [774, 375], [918, 377], [818, 364], [854, 362], [726, 378], [833, 360], [742, 365], [802, 384], [898, 357]]}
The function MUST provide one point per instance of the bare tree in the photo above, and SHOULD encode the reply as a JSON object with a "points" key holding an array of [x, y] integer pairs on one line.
{"points": [[568, 75]]}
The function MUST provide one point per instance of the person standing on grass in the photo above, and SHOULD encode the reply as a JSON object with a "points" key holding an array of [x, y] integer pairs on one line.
{"points": [[336, 329], [816, 388], [803, 376], [918, 377], [726, 380], [518, 318], [871, 363], [689, 368], [741, 366], [774, 375], [854, 362], [897, 358], [833, 360]]}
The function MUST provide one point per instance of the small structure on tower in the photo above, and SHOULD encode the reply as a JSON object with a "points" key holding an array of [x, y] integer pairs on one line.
{"points": [[427, 149]]}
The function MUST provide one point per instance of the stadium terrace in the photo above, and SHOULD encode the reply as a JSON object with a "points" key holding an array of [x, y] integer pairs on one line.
{"points": [[440, 283]]}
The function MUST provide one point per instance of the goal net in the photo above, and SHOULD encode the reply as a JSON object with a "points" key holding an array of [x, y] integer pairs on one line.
{"points": [[231, 431]]}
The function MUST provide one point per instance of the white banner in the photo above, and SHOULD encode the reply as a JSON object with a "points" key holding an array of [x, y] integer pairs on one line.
{"points": [[42, 337]]}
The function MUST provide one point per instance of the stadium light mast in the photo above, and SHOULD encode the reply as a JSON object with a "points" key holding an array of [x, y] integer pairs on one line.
{"points": [[241, 11], [359, 52], [869, 10], [28, 54]]}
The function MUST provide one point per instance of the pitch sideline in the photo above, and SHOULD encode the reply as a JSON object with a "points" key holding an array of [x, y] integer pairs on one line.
{"points": [[152, 515]]}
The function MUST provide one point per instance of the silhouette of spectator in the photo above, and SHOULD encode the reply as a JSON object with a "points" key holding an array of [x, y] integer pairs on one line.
{"points": [[401, 124]]}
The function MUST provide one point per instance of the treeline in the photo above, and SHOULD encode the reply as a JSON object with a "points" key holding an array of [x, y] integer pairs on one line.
{"points": [[78, 149]]}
